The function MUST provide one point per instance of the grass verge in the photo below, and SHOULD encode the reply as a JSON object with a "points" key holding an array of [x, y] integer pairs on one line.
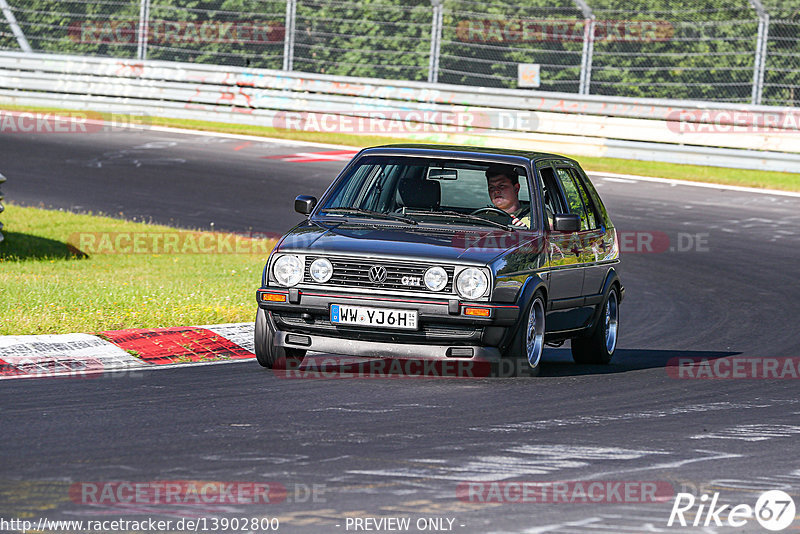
{"points": [[719, 175], [48, 286]]}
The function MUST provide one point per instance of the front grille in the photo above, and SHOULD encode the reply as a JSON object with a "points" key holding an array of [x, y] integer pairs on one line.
{"points": [[354, 272]]}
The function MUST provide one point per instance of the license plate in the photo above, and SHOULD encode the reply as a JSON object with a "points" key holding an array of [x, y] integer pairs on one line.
{"points": [[378, 317]]}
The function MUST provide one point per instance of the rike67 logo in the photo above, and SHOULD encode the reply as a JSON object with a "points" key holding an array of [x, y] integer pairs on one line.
{"points": [[774, 510]]}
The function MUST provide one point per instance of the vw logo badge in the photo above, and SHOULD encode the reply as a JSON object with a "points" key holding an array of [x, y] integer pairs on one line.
{"points": [[377, 274]]}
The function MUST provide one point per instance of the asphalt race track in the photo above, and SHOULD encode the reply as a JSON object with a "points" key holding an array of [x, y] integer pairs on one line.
{"points": [[723, 283], [188, 181]]}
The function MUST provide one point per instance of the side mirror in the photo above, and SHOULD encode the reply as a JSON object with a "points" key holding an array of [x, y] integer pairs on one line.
{"points": [[566, 222], [305, 204]]}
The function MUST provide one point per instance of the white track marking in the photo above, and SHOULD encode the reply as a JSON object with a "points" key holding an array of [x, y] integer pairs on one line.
{"points": [[514, 462], [714, 455], [634, 178], [582, 420], [752, 432], [582, 452], [619, 180]]}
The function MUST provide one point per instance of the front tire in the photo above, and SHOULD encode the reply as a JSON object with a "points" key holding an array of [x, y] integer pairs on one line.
{"points": [[529, 343], [267, 354], [599, 347]]}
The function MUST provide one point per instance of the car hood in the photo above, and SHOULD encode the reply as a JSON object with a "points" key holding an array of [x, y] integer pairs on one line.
{"points": [[480, 245]]}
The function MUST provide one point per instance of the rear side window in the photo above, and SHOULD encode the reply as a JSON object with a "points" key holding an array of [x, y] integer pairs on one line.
{"points": [[600, 210], [577, 198]]}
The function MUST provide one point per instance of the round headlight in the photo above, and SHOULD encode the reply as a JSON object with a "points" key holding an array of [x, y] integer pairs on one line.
{"points": [[435, 278], [471, 283], [288, 270], [321, 270]]}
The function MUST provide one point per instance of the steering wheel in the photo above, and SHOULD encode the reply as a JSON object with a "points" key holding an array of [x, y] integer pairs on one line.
{"points": [[490, 209]]}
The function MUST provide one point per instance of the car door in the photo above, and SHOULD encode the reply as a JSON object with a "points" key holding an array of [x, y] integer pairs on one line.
{"points": [[564, 257], [586, 243], [597, 243]]}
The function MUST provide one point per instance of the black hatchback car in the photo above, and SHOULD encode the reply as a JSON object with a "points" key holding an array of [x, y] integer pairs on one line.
{"points": [[448, 253]]}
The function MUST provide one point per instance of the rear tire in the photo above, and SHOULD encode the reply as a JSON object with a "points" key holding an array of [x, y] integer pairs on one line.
{"points": [[267, 354], [600, 345]]}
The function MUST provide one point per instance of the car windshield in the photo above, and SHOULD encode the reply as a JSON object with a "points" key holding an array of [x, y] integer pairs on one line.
{"points": [[437, 191]]}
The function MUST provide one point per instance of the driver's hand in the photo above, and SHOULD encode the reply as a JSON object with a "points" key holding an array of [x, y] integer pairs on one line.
{"points": [[517, 222]]}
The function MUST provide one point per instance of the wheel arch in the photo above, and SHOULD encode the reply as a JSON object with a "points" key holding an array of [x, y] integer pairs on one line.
{"points": [[612, 280], [533, 284]]}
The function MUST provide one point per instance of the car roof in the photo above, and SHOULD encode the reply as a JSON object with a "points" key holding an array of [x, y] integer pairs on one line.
{"points": [[456, 151]]}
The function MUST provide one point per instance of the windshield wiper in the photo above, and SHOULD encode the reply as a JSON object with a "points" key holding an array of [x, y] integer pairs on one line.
{"points": [[370, 213], [458, 214]]}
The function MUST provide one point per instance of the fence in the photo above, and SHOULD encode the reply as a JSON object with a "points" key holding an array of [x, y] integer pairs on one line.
{"points": [[739, 51]]}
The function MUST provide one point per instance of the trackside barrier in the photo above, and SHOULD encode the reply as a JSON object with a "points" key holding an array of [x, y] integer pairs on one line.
{"points": [[726, 135]]}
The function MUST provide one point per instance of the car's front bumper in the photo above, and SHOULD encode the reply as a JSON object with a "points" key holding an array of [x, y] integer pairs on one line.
{"points": [[445, 331], [377, 349]]}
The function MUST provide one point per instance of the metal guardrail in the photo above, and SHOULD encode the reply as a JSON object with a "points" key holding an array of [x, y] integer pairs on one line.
{"points": [[728, 135]]}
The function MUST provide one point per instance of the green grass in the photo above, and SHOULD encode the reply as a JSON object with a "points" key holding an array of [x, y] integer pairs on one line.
{"points": [[48, 286], [719, 175]]}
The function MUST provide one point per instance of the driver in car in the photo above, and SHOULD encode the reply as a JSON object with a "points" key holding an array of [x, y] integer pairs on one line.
{"points": [[503, 184]]}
